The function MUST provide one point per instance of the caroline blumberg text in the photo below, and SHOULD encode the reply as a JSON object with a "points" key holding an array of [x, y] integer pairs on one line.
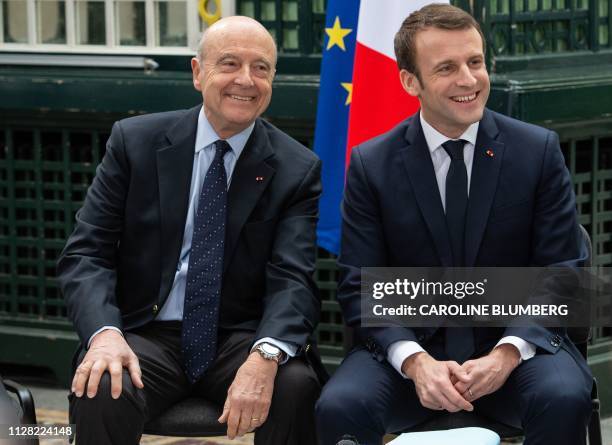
{"points": [[413, 289], [471, 310]]}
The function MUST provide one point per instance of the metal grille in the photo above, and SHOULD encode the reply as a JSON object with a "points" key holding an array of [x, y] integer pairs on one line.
{"points": [[330, 334], [590, 162], [44, 175], [517, 27], [297, 25]]}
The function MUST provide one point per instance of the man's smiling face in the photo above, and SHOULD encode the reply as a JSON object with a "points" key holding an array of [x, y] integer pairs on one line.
{"points": [[453, 83], [235, 75]]}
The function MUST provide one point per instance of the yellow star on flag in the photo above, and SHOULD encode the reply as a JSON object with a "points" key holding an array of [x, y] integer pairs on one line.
{"points": [[337, 34], [348, 87]]}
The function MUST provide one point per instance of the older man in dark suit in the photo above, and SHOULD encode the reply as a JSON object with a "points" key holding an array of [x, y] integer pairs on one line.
{"points": [[455, 185], [190, 267]]}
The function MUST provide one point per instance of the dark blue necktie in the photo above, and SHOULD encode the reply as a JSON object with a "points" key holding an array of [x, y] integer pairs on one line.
{"points": [[203, 289], [456, 199], [459, 341]]}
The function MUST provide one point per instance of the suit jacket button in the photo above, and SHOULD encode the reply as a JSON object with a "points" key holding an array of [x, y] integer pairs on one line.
{"points": [[555, 342], [155, 309]]}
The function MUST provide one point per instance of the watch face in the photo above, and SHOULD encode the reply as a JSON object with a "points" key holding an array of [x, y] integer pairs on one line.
{"points": [[270, 349]]}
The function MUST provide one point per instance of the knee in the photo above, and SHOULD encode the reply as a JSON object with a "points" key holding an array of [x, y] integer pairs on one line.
{"points": [[344, 408], [339, 400], [298, 380], [329, 403], [569, 401], [103, 402], [576, 401], [296, 390]]}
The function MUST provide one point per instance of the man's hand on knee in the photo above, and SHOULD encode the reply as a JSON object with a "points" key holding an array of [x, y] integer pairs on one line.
{"points": [[249, 396], [433, 381], [108, 352]]}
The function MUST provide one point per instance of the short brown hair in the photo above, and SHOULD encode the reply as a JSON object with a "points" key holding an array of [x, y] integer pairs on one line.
{"points": [[434, 15]]}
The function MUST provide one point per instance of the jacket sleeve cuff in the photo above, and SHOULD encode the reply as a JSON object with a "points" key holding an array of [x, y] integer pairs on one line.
{"points": [[103, 328], [525, 349]]}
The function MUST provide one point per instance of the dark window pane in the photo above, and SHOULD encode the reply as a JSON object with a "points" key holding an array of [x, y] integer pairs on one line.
{"points": [[90, 23], [171, 23], [15, 21], [51, 21], [131, 27]]}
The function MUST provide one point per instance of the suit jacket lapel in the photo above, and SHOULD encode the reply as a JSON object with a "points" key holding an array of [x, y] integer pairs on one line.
{"points": [[174, 169], [250, 178], [488, 156], [417, 161]]}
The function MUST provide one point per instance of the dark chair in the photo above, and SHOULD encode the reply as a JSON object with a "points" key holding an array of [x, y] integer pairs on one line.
{"points": [[26, 402], [463, 419], [192, 417]]}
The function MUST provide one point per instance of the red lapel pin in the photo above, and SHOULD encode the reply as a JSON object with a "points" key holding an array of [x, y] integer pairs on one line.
{"points": [[259, 178], [490, 153]]}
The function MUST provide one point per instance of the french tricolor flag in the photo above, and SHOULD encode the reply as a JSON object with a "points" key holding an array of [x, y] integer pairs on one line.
{"points": [[360, 95]]}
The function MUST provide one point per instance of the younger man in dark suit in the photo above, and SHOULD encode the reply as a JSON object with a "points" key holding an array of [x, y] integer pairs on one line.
{"points": [[455, 185], [190, 267]]}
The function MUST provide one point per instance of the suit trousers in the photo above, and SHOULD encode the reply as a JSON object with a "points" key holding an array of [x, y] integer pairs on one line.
{"points": [[104, 420], [547, 395]]}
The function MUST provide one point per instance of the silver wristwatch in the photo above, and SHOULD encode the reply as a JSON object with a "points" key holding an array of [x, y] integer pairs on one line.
{"points": [[270, 352]]}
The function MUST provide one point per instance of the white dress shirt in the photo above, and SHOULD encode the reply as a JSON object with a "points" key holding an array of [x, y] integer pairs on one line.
{"points": [[401, 350], [204, 153]]}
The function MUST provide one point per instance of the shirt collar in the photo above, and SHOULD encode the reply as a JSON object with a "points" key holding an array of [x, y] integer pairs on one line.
{"points": [[206, 136], [435, 139]]}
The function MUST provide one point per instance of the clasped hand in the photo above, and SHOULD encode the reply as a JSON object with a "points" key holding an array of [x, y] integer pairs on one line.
{"points": [[249, 396], [446, 385]]}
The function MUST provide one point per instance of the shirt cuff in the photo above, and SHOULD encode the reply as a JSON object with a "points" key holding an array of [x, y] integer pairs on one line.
{"points": [[399, 351], [289, 349], [103, 328], [525, 349]]}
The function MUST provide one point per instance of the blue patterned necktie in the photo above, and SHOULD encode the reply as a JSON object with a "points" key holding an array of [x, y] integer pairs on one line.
{"points": [[203, 289], [459, 341]]}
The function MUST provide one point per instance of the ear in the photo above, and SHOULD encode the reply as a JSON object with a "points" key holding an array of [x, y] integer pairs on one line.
{"points": [[195, 71], [410, 83]]}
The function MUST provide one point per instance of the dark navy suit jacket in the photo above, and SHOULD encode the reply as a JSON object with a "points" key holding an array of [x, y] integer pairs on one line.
{"points": [[118, 266], [521, 212]]}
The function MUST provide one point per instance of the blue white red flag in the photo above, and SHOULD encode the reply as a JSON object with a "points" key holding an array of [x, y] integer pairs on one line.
{"points": [[360, 95], [333, 107]]}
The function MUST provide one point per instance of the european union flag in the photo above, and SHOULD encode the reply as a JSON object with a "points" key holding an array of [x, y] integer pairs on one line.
{"points": [[335, 95]]}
